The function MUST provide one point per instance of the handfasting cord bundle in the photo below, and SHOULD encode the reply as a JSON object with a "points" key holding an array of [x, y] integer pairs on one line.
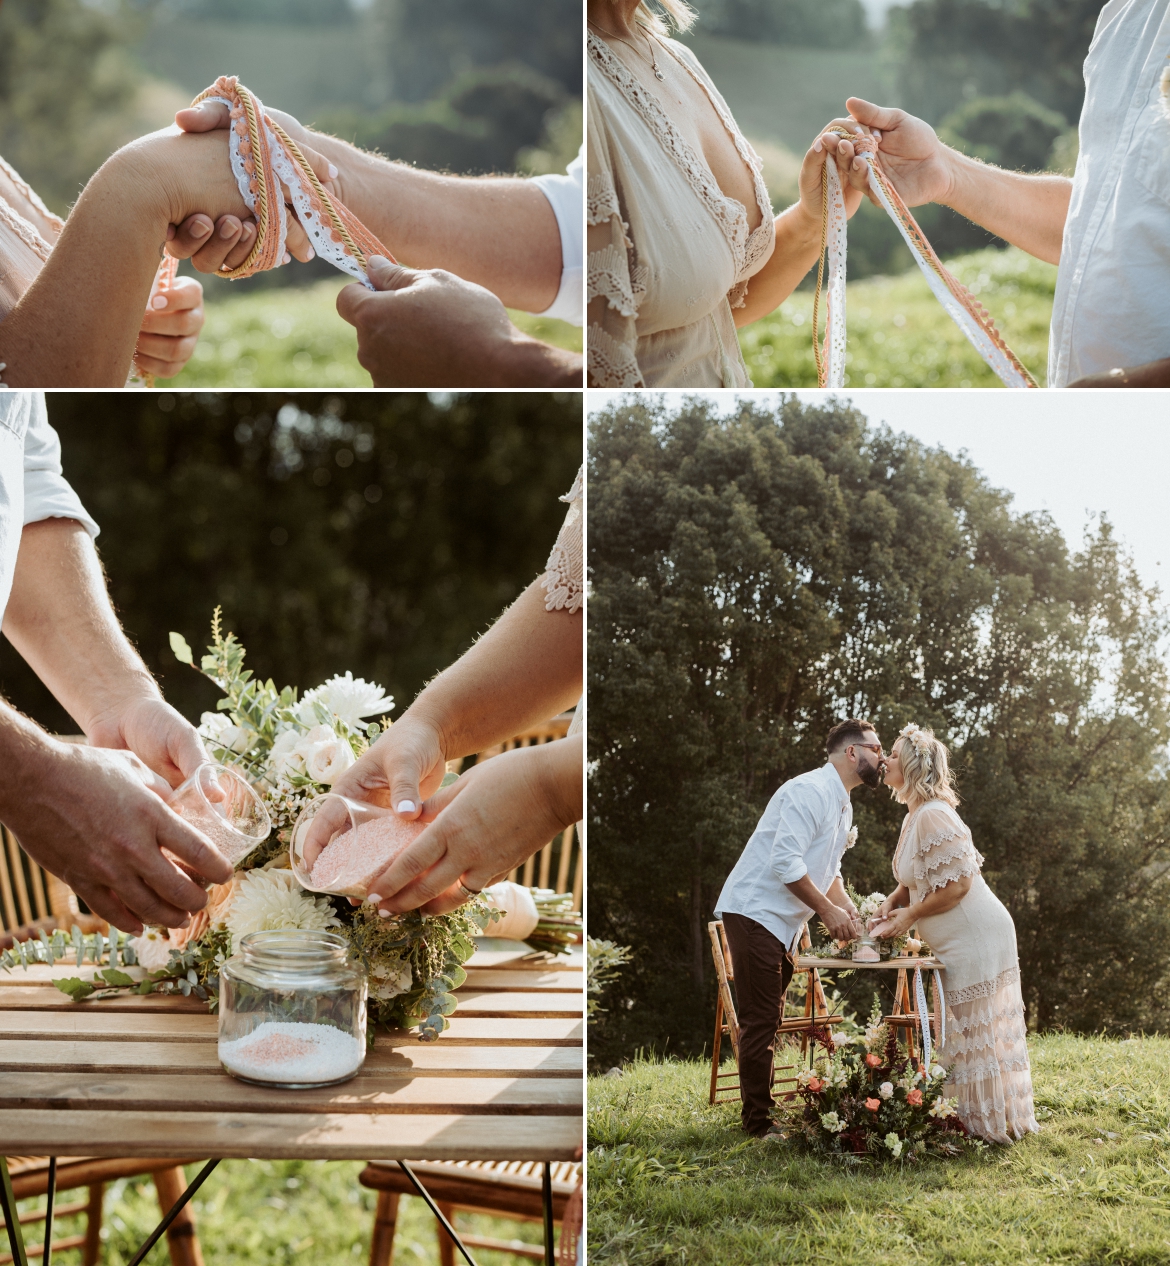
{"points": [[961, 305]]}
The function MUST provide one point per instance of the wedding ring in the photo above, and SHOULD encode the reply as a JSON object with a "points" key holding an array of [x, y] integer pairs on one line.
{"points": [[469, 893]]}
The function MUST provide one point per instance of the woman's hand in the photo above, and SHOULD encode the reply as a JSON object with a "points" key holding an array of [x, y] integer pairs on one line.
{"points": [[483, 826], [212, 247], [812, 169], [170, 328], [897, 923], [403, 768]]}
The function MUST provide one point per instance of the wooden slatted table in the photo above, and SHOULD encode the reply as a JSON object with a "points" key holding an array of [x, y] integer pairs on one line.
{"points": [[139, 1076]]}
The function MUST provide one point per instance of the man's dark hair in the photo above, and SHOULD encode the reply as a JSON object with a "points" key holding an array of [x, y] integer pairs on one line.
{"points": [[852, 731]]}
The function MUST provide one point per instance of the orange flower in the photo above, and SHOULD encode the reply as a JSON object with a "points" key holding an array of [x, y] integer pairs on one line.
{"points": [[873, 1104], [814, 1084], [874, 1061], [914, 1098]]}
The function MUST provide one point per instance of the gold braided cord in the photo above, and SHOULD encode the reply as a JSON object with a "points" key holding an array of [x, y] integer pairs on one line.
{"points": [[983, 318]]}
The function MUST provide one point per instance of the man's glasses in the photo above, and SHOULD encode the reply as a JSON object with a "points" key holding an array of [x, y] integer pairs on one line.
{"points": [[873, 747]]}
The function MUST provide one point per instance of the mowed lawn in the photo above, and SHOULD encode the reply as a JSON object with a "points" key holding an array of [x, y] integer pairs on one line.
{"points": [[899, 335], [292, 337], [674, 1180]]}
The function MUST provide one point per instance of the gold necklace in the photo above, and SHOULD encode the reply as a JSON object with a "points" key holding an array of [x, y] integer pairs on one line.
{"points": [[653, 59]]}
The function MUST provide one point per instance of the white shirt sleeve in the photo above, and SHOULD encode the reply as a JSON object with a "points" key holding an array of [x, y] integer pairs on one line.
{"points": [[47, 494], [566, 195], [799, 825]]}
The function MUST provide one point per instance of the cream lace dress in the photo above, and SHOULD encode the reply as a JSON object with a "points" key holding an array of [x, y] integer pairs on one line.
{"points": [[28, 230], [669, 254], [564, 576], [986, 1050]]}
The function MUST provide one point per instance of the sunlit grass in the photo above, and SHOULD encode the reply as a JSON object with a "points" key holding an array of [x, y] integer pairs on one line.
{"points": [[293, 337], [673, 1180], [899, 336]]}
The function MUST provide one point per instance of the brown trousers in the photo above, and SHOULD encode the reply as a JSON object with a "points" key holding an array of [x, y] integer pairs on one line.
{"points": [[762, 969]]}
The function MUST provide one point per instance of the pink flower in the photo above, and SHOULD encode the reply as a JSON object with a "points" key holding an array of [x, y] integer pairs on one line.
{"points": [[874, 1061], [914, 1098], [873, 1104]]}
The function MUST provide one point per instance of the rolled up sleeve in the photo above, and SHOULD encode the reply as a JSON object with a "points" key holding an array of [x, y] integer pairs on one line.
{"points": [[566, 195], [47, 493], [798, 827]]}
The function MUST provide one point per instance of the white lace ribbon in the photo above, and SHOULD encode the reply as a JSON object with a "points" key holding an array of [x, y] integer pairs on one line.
{"points": [[924, 1014], [999, 364]]}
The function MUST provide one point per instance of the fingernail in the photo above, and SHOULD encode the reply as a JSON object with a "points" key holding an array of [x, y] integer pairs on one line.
{"points": [[226, 231], [287, 258], [406, 806], [373, 898], [200, 228], [817, 145], [246, 235], [384, 914], [332, 172], [312, 254], [159, 301]]}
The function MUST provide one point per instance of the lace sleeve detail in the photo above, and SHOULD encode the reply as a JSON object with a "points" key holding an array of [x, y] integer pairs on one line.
{"points": [[615, 280], [564, 577], [943, 853]]}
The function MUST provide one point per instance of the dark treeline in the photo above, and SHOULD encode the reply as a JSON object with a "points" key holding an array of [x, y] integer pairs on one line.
{"points": [[758, 577], [374, 532]]}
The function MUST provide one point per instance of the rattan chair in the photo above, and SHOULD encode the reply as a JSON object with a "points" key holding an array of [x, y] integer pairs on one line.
{"points": [[816, 1014], [505, 1189], [31, 899]]}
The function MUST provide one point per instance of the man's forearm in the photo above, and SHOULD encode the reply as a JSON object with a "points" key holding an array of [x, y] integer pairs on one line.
{"points": [[1028, 211], [60, 620], [498, 231], [1155, 373], [805, 890]]}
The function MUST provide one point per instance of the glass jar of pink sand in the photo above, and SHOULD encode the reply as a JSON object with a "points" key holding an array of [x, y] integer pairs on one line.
{"points": [[220, 802], [340, 845], [292, 1010]]}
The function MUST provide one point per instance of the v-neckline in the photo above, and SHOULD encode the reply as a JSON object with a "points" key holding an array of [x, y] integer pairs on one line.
{"points": [[729, 213]]}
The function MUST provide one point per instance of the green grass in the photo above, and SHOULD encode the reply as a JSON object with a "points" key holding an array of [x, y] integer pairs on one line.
{"points": [[292, 337], [268, 1213], [899, 336], [679, 1182]]}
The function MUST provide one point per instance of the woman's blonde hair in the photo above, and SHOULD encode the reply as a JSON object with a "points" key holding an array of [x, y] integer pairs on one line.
{"points": [[680, 14], [926, 768]]}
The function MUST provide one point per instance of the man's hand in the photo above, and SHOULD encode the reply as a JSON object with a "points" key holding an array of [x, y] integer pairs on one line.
{"points": [[911, 154], [96, 819], [432, 329], [843, 925], [158, 735], [170, 328]]}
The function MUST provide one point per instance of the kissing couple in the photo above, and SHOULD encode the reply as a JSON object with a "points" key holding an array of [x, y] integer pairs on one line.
{"points": [[790, 870]]}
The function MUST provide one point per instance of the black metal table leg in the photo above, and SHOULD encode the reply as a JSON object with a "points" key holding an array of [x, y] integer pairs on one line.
{"points": [[173, 1213], [546, 1191], [434, 1208], [11, 1217], [51, 1195]]}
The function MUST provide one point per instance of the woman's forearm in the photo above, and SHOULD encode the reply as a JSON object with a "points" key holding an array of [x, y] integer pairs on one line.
{"points": [[798, 239]]}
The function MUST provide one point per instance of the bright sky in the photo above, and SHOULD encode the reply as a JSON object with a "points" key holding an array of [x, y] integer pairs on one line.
{"points": [[1072, 453]]}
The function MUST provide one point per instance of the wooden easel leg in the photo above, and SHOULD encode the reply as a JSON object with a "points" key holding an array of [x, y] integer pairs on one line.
{"points": [[446, 1248], [182, 1240], [385, 1224], [716, 1046], [91, 1250]]}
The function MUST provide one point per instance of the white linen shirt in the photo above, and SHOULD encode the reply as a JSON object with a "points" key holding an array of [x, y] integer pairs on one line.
{"points": [[32, 486], [566, 194], [1112, 303], [803, 831]]}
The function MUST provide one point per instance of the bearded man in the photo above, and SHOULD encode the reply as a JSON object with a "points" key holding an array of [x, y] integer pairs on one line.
{"points": [[790, 870]]}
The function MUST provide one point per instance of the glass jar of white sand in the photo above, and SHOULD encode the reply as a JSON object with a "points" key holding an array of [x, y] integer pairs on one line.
{"points": [[292, 1010], [339, 845]]}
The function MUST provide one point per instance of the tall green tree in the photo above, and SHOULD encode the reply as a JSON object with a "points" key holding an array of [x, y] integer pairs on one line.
{"points": [[757, 577]]}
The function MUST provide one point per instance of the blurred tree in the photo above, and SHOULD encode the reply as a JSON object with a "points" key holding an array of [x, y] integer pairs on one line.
{"points": [[287, 12], [374, 531], [1013, 132], [62, 75], [809, 23], [755, 579]]}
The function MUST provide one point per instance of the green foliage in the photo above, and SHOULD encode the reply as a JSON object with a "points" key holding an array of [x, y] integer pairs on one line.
{"points": [[603, 963], [1013, 131], [807, 23], [900, 337], [1091, 1188], [758, 577], [93, 947]]}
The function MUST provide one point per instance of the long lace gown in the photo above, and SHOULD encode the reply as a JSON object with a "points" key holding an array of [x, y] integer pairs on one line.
{"points": [[986, 1049], [670, 255], [28, 230]]}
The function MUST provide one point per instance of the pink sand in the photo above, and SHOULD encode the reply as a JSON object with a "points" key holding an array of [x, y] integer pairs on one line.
{"points": [[353, 859]]}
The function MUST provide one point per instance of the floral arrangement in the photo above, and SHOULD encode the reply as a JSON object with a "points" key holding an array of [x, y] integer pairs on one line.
{"points": [[867, 907], [865, 1099]]}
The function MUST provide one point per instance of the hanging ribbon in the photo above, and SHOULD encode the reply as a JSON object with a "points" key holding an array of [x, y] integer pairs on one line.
{"points": [[924, 1015], [263, 155], [960, 304]]}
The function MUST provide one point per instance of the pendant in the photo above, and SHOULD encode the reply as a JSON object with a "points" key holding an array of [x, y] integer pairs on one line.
{"points": [[658, 74]]}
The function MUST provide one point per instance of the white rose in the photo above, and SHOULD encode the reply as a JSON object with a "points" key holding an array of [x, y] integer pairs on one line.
{"points": [[218, 729], [886, 1090], [937, 1070], [285, 758], [851, 838], [326, 762]]}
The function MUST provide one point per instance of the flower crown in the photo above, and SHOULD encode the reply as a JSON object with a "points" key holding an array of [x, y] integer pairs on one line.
{"points": [[920, 743]]}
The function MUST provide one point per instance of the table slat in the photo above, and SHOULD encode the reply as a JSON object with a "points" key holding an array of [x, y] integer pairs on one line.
{"points": [[276, 1136], [532, 1004]]}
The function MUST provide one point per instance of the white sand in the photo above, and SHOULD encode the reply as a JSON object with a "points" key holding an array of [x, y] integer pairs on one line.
{"points": [[284, 1051]]}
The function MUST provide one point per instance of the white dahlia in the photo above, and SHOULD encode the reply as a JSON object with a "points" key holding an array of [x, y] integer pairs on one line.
{"points": [[152, 948], [349, 698], [271, 899]]}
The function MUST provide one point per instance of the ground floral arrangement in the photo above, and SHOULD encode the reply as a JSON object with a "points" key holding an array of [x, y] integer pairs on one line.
{"points": [[865, 1099], [292, 750]]}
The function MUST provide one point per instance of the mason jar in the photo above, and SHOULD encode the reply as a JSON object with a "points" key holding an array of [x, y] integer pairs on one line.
{"points": [[338, 845], [292, 1010]]}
